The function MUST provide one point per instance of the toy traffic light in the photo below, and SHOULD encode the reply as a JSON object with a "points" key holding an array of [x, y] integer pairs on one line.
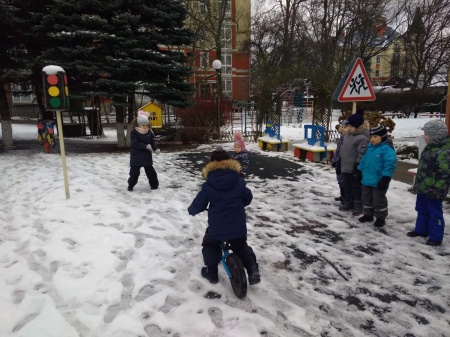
{"points": [[56, 91]]}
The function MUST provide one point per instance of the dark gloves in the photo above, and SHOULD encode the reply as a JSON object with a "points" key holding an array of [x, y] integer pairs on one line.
{"points": [[383, 184], [333, 164], [433, 194], [357, 175]]}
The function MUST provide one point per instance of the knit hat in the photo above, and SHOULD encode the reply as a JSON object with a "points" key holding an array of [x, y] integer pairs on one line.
{"points": [[219, 154], [379, 130], [436, 131], [356, 120], [142, 118], [239, 141]]}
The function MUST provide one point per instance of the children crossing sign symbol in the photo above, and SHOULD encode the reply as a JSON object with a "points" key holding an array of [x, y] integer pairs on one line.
{"points": [[355, 85]]}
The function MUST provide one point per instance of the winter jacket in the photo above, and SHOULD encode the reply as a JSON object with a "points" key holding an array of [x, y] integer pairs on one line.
{"points": [[353, 149], [244, 159], [378, 161], [139, 155], [433, 173], [226, 194]]}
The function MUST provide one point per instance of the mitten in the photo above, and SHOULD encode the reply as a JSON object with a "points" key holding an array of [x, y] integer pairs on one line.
{"points": [[355, 168], [149, 147], [358, 175], [157, 151], [383, 184], [433, 194], [333, 164]]}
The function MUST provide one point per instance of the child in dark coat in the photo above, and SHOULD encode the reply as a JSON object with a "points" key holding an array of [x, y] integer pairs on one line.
{"points": [[224, 195], [432, 183], [241, 154], [336, 162], [142, 143], [376, 169]]}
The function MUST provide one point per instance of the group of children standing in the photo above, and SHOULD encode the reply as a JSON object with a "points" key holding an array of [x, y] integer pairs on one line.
{"points": [[365, 161]]}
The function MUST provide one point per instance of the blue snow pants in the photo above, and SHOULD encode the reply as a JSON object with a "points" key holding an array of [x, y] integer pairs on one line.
{"points": [[430, 218]]}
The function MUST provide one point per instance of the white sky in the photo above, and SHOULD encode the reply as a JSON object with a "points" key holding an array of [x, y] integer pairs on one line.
{"points": [[107, 262]]}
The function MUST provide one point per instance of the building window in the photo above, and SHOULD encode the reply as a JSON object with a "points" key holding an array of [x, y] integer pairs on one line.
{"points": [[226, 62], [378, 59], [202, 6], [22, 94], [226, 88], [377, 73], [227, 10], [202, 34], [204, 61], [225, 36]]}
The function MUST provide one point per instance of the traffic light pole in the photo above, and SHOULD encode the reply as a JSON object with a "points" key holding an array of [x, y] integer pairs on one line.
{"points": [[63, 152]]}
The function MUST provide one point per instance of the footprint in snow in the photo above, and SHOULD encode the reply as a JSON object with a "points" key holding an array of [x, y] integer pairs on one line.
{"points": [[216, 317]]}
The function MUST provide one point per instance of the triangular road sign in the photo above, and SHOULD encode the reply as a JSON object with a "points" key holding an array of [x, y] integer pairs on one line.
{"points": [[357, 85]]}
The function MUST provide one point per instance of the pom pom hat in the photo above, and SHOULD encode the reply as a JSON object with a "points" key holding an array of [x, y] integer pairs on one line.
{"points": [[379, 130], [142, 118], [219, 154], [356, 120], [239, 141], [436, 131]]}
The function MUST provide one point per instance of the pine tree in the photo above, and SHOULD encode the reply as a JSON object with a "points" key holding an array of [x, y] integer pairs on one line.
{"points": [[118, 46]]}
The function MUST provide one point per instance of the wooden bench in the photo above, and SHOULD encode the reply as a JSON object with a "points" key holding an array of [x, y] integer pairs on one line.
{"points": [[315, 152], [313, 147], [273, 144]]}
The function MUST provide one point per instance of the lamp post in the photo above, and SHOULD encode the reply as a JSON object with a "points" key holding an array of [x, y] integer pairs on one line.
{"points": [[217, 65]]}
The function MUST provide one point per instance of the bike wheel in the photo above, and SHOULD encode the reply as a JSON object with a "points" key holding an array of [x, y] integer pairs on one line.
{"points": [[238, 278]]}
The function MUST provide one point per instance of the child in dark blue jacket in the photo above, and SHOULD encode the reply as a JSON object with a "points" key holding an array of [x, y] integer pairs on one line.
{"points": [[376, 169], [142, 143], [225, 195]]}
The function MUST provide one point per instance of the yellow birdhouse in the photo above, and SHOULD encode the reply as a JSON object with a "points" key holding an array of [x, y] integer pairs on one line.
{"points": [[155, 111]]}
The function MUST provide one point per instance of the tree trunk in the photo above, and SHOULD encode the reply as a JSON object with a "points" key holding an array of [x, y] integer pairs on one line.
{"points": [[120, 114], [5, 113]]}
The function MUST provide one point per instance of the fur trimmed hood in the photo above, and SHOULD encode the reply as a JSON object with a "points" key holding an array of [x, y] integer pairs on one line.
{"points": [[229, 164]]}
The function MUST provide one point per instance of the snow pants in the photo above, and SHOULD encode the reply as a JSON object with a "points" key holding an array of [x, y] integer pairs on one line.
{"points": [[135, 171], [352, 188], [430, 218], [212, 252], [374, 202]]}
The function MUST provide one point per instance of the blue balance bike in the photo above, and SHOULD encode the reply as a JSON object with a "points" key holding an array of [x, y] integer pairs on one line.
{"points": [[235, 270]]}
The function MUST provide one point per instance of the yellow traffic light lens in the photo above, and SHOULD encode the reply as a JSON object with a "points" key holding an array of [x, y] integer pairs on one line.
{"points": [[53, 91]]}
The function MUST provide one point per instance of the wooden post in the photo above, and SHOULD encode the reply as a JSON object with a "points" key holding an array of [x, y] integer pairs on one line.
{"points": [[63, 152]]}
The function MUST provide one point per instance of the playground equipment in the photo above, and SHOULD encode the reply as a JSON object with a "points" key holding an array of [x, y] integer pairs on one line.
{"points": [[314, 147]]}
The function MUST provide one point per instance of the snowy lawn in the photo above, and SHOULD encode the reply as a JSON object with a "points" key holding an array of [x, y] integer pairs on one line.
{"points": [[113, 263]]}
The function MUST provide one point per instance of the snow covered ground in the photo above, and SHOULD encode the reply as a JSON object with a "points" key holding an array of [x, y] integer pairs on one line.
{"points": [[113, 263]]}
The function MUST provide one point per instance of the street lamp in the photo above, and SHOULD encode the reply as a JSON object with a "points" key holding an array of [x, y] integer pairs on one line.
{"points": [[217, 65]]}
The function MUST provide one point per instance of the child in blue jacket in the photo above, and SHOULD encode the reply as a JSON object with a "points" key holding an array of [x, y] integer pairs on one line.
{"points": [[224, 195], [376, 168]]}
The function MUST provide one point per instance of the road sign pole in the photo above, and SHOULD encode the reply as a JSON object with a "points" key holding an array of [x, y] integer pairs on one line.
{"points": [[353, 107], [63, 152]]}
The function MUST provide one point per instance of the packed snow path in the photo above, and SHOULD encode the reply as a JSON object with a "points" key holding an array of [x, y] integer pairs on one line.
{"points": [[108, 262]]}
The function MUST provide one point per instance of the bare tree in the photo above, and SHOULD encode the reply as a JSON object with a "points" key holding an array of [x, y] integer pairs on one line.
{"points": [[427, 42], [321, 36]]}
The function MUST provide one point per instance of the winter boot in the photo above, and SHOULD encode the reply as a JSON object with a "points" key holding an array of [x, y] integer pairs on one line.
{"points": [[130, 188], [211, 274], [346, 206], [366, 218], [357, 208], [379, 222], [433, 243], [414, 234], [341, 197], [253, 275]]}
